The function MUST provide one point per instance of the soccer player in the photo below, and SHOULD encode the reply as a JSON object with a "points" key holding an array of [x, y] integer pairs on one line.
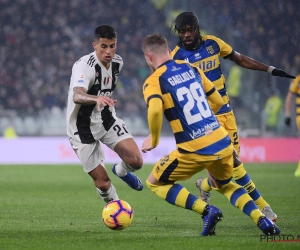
{"points": [[293, 90], [91, 116], [180, 91], [204, 52]]}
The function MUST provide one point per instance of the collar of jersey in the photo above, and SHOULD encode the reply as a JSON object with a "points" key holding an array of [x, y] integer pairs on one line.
{"points": [[166, 62]]}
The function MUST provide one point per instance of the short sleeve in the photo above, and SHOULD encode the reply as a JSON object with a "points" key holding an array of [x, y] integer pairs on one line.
{"points": [[225, 49], [151, 89], [82, 74]]}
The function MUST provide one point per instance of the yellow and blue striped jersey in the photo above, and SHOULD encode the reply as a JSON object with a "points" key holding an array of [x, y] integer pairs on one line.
{"points": [[295, 89], [183, 89], [206, 57]]}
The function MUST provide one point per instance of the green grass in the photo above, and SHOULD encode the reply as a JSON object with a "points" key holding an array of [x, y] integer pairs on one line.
{"points": [[57, 207]]}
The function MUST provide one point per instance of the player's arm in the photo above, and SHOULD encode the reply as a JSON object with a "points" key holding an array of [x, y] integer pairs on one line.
{"points": [[80, 96], [287, 112], [249, 63], [82, 76], [155, 118], [153, 98], [215, 99]]}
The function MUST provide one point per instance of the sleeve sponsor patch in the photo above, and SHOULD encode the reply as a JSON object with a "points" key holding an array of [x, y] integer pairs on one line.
{"points": [[81, 78]]}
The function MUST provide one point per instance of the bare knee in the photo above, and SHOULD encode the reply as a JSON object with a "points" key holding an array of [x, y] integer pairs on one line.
{"points": [[103, 185], [129, 153], [138, 162], [135, 161], [237, 162], [216, 184]]}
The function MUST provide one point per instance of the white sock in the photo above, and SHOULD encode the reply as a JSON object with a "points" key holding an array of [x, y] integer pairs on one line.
{"points": [[109, 195], [122, 168]]}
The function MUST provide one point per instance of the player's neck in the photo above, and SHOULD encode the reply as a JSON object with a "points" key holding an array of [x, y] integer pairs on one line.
{"points": [[161, 60], [105, 64]]}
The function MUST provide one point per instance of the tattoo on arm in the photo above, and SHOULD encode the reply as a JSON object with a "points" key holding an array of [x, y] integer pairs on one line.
{"points": [[80, 96]]}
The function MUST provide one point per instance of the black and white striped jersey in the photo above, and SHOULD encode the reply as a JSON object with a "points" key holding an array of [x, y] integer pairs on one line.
{"points": [[88, 72]]}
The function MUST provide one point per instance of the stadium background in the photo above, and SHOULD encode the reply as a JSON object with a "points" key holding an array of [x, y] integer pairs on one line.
{"points": [[40, 40]]}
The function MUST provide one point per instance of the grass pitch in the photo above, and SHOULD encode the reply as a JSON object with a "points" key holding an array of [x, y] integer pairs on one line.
{"points": [[57, 207]]}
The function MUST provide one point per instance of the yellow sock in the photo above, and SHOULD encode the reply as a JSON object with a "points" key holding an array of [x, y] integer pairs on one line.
{"points": [[178, 195], [243, 179], [205, 186], [255, 215], [297, 172], [239, 198], [199, 206]]}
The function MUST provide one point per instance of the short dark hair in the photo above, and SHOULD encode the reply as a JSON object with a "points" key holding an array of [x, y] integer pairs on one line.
{"points": [[105, 31], [155, 43]]}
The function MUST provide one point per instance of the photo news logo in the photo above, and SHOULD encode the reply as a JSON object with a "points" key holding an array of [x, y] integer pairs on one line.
{"points": [[280, 238]]}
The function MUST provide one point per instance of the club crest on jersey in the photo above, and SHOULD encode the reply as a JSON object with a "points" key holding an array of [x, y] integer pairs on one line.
{"points": [[116, 72], [210, 50]]}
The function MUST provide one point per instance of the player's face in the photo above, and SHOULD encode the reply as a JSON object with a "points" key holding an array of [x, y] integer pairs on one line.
{"points": [[105, 50], [188, 35]]}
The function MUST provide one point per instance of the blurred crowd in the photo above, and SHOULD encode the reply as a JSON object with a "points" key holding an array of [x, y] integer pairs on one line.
{"points": [[40, 41]]}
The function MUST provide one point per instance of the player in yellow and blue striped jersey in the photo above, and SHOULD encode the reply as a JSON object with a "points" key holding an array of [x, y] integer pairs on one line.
{"points": [[294, 89], [204, 52], [181, 92]]}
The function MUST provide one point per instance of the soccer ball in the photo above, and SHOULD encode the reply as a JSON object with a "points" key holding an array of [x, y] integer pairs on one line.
{"points": [[117, 214]]}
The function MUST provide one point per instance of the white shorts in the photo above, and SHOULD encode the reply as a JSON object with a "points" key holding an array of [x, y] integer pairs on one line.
{"points": [[92, 155]]}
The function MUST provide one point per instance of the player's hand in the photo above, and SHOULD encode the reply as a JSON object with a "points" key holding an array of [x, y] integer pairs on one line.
{"points": [[281, 73], [147, 144], [287, 121], [105, 100]]}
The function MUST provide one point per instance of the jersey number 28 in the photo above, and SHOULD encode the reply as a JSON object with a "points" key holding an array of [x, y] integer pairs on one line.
{"points": [[194, 94]]}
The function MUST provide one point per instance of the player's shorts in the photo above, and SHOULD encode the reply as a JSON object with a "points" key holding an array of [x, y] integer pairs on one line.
{"points": [[179, 167], [117, 132], [228, 121], [91, 155]]}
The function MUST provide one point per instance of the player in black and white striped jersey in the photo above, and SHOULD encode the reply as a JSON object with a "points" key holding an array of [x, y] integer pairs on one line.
{"points": [[91, 116]]}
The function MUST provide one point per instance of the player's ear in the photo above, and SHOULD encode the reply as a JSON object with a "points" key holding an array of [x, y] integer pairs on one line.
{"points": [[169, 51], [148, 56], [94, 45]]}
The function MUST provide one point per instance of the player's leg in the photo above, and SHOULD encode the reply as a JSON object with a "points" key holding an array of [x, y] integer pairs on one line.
{"points": [[297, 172], [239, 173], [220, 172], [91, 157], [105, 188], [129, 152], [119, 139], [131, 161], [175, 167]]}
